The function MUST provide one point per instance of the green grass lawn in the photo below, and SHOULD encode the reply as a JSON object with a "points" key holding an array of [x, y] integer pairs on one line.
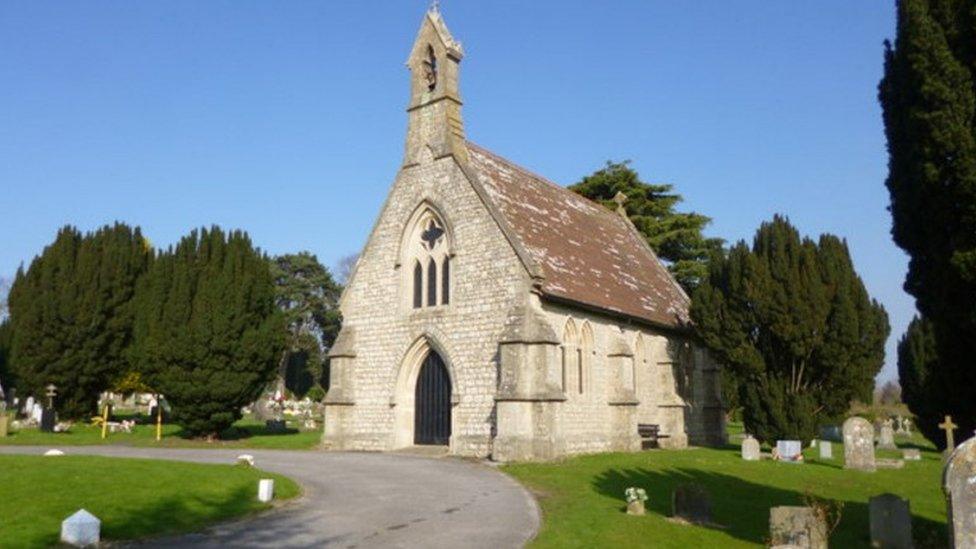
{"points": [[583, 504], [246, 433], [132, 497]]}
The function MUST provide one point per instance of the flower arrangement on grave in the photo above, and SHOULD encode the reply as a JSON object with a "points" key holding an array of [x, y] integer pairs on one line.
{"points": [[635, 500], [635, 494]]}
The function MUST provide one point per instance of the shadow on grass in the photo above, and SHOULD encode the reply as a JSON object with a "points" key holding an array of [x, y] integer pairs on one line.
{"points": [[742, 507], [179, 515]]}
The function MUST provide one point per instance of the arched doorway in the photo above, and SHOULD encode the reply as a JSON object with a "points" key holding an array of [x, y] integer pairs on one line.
{"points": [[432, 402]]}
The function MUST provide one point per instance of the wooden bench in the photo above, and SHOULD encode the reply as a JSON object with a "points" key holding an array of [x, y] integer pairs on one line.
{"points": [[649, 433]]}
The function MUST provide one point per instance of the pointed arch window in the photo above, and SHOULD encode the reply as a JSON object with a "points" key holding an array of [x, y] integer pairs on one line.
{"points": [[418, 285], [585, 355], [446, 281], [426, 246]]}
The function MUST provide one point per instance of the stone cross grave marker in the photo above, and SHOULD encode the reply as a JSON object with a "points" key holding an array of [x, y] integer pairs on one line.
{"points": [[750, 449], [959, 483], [692, 503], [891, 522], [948, 426], [797, 527], [81, 529], [826, 450], [858, 444], [886, 438]]}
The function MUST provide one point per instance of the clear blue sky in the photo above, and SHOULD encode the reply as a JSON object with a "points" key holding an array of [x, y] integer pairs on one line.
{"points": [[287, 118]]}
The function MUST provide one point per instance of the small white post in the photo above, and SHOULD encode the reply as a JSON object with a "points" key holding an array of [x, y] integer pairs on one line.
{"points": [[81, 529], [265, 490]]}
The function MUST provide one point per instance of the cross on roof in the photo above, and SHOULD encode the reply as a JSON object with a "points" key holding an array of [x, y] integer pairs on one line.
{"points": [[620, 198], [948, 426]]}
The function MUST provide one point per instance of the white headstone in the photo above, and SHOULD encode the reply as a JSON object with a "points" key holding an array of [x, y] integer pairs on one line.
{"points": [[858, 444], [265, 490], [750, 449], [826, 450], [54, 453], [789, 450], [81, 529]]}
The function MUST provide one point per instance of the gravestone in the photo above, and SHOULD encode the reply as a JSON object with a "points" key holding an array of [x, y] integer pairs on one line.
{"points": [[4, 420], [831, 433], [750, 449], [265, 490], [949, 427], [81, 529], [911, 454], [886, 438], [907, 423], [789, 450], [691, 502], [899, 426], [797, 527], [959, 483], [47, 420], [858, 444], [891, 522], [826, 450]]}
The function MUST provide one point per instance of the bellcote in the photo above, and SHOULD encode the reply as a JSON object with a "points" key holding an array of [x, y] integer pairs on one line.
{"points": [[434, 110]]}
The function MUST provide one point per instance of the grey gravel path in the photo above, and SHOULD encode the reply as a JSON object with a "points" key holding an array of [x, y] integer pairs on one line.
{"points": [[355, 500]]}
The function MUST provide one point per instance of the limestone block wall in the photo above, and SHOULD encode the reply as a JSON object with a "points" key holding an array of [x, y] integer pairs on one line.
{"points": [[487, 279], [676, 384]]}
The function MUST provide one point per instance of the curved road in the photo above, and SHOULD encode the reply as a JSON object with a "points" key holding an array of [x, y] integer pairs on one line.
{"points": [[354, 500]]}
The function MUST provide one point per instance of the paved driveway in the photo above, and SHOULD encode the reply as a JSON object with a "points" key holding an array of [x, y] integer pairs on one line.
{"points": [[361, 500]]}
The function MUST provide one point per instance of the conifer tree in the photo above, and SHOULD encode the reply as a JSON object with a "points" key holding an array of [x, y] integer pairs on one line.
{"points": [[676, 237], [71, 314], [917, 360], [308, 297], [928, 97], [208, 334], [792, 321], [6, 376]]}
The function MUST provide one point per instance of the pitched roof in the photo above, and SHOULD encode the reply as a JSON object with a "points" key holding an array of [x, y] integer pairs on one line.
{"points": [[587, 254]]}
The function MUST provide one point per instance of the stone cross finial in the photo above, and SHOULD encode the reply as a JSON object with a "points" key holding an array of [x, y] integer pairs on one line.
{"points": [[948, 426], [620, 198], [435, 6]]}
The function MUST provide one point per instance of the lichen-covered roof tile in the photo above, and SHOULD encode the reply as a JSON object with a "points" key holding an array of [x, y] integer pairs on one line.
{"points": [[587, 253]]}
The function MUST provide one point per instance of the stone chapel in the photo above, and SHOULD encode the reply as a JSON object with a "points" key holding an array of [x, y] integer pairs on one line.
{"points": [[500, 315]]}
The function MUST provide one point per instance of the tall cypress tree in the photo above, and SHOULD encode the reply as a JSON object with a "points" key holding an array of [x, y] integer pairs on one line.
{"points": [[71, 314], [917, 360], [928, 96], [793, 322], [208, 334]]}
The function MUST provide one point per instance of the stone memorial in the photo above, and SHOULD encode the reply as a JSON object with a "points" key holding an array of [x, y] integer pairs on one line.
{"points": [[691, 503], [959, 483], [265, 490], [789, 450], [750, 449], [949, 427], [911, 454], [899, 425], [858, 444], [81, 529], [831, 433], [891, 522], [907, 426], [826, 449], [797, 527], [886, 438], [4, 420]]}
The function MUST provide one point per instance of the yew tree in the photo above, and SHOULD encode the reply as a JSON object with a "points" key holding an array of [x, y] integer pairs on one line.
{"points": [[208, 333], [792, 321]]}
